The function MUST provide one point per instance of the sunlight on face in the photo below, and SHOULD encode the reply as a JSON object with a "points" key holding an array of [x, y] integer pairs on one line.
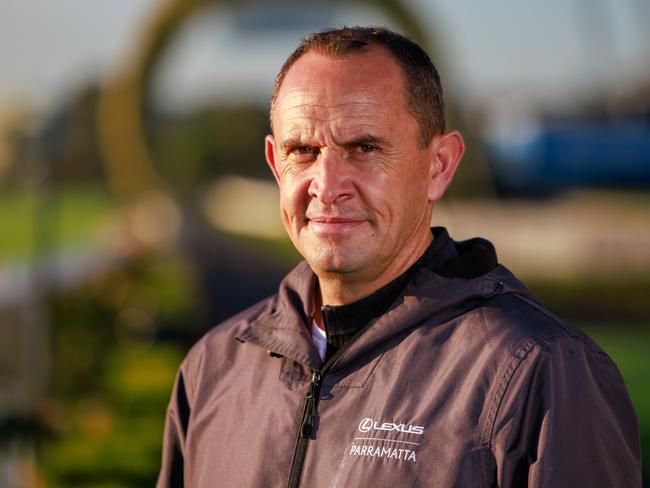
{"points": [[345, 152]]}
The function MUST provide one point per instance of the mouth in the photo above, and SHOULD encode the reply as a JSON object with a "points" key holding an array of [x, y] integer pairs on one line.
{"points": [[326, 225], [326, 219]]}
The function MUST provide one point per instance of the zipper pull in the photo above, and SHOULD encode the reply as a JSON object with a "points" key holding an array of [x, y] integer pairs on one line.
{"points": [[307, 427]]}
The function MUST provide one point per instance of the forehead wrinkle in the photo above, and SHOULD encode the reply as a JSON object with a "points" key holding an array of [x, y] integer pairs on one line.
{"points": [[305, 98], [324, 113], [298, 107], [355, 129], [310, 106], [337, 122], [316, 119], [316, 116]]}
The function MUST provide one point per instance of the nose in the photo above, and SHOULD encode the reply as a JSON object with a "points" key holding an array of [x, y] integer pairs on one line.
{"points": [[330, 182]]}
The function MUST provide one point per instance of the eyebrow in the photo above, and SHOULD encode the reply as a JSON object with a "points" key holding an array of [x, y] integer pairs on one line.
{"points": [[363, 139], [349, 144], [292, 142]]}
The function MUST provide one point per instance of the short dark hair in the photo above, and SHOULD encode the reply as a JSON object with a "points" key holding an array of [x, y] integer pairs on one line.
{"points": [[422, 82]]}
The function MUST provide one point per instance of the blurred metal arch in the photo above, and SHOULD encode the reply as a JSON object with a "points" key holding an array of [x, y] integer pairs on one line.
{"points": [[125, 149]]}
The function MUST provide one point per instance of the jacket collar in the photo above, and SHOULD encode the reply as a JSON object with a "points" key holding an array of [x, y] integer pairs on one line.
{"points": [[430, 295], [343, 321], [282, 328], [435, 299]]}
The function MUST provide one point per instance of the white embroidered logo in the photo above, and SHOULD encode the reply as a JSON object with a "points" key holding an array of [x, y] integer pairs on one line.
{"points": [[383, 447], [397, 453], [368, 424]]}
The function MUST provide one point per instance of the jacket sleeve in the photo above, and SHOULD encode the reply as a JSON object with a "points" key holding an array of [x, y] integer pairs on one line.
{"points": [[566, 420], [173, 452]]}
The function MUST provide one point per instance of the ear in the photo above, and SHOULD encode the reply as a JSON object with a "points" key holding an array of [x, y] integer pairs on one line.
{"points": [[269, 152], [447, 151]]}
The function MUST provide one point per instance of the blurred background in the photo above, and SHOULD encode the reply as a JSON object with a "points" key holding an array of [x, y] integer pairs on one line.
{"points": [[136, 209]]}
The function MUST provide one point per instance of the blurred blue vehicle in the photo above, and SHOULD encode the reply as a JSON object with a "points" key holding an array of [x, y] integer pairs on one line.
{"points": [[542, 158]]}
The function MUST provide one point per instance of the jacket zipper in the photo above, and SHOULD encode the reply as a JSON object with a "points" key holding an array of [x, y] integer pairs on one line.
{"points": [[308, 421], [310, 411], [306, 428]]}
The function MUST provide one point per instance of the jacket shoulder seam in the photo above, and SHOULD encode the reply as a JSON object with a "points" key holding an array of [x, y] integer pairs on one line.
{"points": [[541, 309], [569, 332], [516, 360]]}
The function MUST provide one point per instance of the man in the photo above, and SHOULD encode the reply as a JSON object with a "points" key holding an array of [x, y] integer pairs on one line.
{"points": [[393, 356]]}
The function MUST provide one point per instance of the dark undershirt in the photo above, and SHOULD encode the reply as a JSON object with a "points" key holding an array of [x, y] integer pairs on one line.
{"points": [[343, 321]]}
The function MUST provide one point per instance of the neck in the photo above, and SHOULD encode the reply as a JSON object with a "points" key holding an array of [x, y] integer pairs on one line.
{"points": [[342, 289], [316, 311]]}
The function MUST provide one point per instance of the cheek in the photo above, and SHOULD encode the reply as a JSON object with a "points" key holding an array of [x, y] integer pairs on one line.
{"points": [[398, 198], [383, 192], [293, 198]]}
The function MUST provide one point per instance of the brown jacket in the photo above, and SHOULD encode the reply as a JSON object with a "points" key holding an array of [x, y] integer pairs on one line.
{"points": [[462, 383]]}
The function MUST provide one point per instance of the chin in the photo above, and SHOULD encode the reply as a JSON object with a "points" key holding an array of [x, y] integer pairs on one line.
{"points": [[334, 255], [334, 262]]}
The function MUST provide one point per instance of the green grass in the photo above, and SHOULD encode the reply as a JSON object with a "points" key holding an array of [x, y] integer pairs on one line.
{"points": [[629, 348], [32, 224], [114, 438]]}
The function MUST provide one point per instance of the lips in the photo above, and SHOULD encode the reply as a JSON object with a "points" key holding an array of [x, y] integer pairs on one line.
{"points": [[327, 225], [333, 220]]}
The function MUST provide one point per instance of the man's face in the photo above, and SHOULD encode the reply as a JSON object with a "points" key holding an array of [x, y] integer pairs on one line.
{"points": [[354, 182]]}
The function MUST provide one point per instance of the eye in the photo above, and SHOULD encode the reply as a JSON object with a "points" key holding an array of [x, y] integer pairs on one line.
{"points": [[365, 148], [302, 154], [304, 150]]}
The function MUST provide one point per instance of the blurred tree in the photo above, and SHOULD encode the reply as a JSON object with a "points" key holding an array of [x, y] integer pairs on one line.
{"points": [[195, 149], [125, 114]]}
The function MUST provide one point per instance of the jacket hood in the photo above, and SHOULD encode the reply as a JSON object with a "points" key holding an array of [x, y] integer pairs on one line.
{"points": [[435, 297]]}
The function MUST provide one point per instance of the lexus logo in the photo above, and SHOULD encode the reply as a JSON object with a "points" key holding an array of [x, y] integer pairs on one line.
{"points": [[365, 425], [368, 424]]}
